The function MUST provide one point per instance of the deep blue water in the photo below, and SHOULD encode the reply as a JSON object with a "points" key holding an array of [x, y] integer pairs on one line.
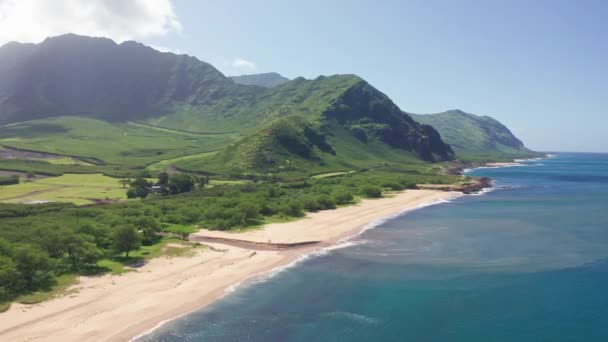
{"points": [[525, 262]]}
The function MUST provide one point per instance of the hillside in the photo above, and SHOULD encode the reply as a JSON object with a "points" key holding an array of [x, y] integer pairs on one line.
{"points": [[69, 94], [476, 137], [341, 123], [95, 77], [266, 80]]}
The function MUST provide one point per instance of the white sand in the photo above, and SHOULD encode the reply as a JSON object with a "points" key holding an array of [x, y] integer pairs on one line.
{"points": [[117, 308]]}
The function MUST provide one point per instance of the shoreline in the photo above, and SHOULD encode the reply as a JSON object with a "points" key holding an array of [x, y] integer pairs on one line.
{"points": [[168, 288]]}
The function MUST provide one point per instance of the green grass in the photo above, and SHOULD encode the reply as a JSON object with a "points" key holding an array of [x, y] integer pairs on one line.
{"points": [[214, 182], [128, 144], [67, 161], [330, 174], [180, 228], [476, 138], [162, 165], [4, 306], [248, 156], [168, 247], [63, 282], [75, 188], [246, 109], [113, 267]]}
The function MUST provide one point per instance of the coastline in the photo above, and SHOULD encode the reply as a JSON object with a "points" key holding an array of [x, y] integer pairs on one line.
{"points": [[109, 308]]}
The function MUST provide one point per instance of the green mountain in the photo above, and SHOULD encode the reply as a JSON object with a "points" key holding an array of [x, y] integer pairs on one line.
{"points": [[148, 100], [95, 77], [351, 126], [476, 137], [266, 80]]}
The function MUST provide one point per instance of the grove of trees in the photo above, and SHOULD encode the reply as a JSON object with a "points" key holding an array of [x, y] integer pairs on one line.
{"points": [[40, 242]]}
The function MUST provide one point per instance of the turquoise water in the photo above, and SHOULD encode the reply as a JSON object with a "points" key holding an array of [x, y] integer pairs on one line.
{"points": [[527, 261]]}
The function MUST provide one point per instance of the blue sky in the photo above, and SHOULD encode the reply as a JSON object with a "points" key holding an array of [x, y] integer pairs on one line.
{"points": [[540, 67]]}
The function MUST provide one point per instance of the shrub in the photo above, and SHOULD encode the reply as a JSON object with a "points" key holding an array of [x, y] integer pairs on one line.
{"points": [[371, 191], [343, 197]]}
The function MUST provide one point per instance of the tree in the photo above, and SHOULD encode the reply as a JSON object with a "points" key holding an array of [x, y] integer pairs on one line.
{"points": [[202, 181], [139, 188], [181, 230], [343, 197], [30, 175], [181, 183], [33, 265], [9, 278], [52, 239], [81, 250], [163, 178], [149, 237], [126, 239], [372, 191], [124, 182]]}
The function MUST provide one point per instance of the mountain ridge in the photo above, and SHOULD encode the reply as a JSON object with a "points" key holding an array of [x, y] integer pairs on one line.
{"points": [[266, 80], [97, 78], [476, 137]]}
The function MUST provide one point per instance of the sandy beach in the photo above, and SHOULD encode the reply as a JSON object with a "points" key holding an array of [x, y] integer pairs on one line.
{"points": [[117, 308]]}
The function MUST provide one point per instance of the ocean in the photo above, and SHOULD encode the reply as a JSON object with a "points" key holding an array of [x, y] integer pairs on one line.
{"points": [[526, 261]]}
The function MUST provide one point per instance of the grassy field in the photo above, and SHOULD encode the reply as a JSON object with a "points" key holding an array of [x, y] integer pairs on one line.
{"points": [[75, 188], [128, 144], [163, 164]]}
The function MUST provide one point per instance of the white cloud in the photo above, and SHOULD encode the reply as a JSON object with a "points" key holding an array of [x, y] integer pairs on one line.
{"points": [[34, 20], [166, 49], [242, 65]]}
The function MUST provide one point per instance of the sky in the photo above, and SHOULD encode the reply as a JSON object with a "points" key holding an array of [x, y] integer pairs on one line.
{"points": [[540, 67]]}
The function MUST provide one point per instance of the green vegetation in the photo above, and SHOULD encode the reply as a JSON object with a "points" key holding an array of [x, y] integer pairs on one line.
{"points": [[227, 156], [477, 138], [182, 231], [186, 115], [74, 188], [39, 243], [166, 185], [9, 180], [267, 80], [107, 145], [58, 288]]}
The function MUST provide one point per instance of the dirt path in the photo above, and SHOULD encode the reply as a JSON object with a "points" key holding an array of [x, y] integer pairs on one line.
{"points": [[32, 193]]}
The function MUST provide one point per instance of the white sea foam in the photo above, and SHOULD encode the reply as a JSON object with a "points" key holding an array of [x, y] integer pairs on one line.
{"points": [[483, 191], [266, 275], [358, 318]]}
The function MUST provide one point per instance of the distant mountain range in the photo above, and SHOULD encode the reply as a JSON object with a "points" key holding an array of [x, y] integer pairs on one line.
{"points": [[476, 137], [266, 80], [269, 123]]}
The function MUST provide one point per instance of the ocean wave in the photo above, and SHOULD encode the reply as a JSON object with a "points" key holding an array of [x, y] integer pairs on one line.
{"points": [[483, 191], [342, 243], [358, 318], [518, 164], [387, 218], [267, 275]]}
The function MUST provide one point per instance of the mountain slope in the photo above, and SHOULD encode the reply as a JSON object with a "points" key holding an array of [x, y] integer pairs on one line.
{"points": [[476, 137], [95, 77], [314, 122], [266, 80], [347, 124]]}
